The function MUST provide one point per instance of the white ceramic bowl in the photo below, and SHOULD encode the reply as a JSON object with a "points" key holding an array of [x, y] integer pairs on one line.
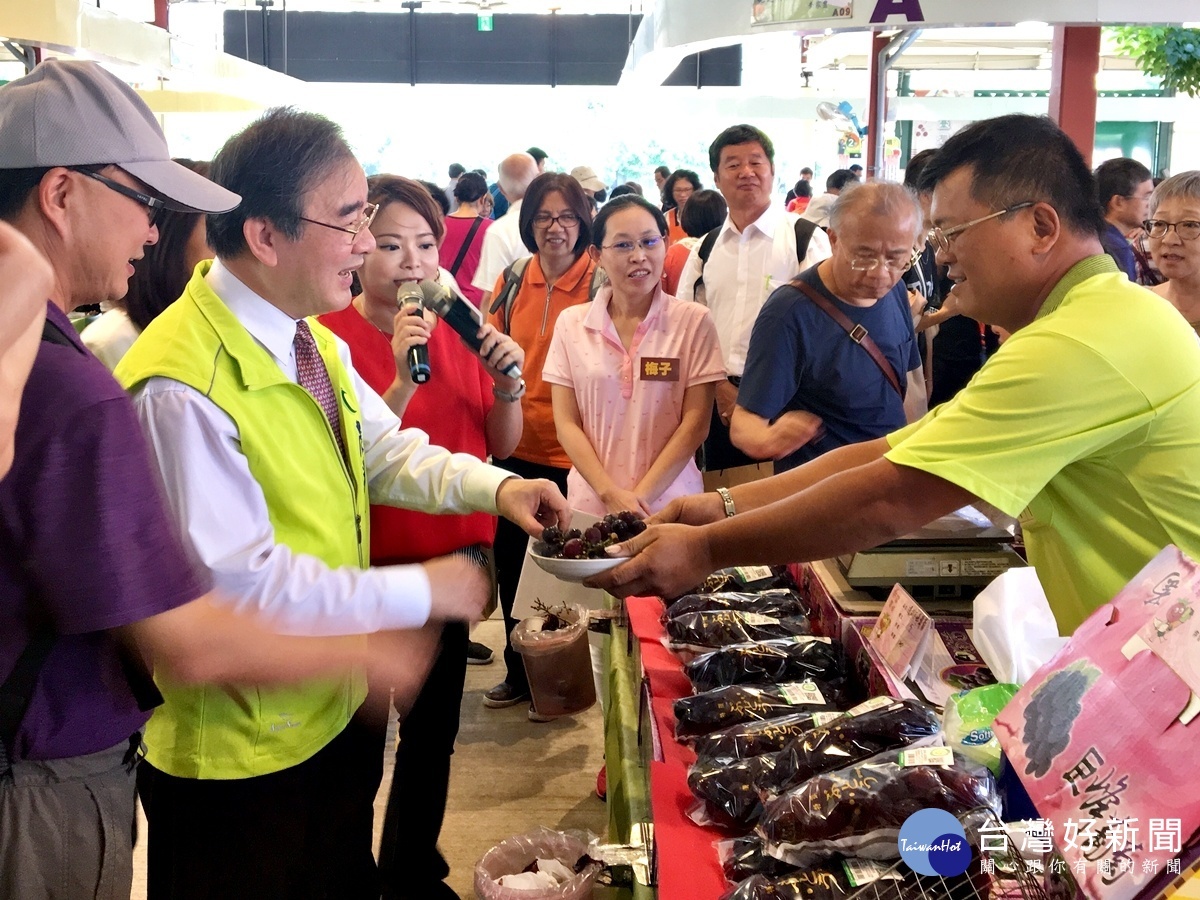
{"points": [[576, 570]]}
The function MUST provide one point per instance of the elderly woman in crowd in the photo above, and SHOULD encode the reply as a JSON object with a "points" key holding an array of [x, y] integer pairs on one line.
{"points": [[1172, 230]]}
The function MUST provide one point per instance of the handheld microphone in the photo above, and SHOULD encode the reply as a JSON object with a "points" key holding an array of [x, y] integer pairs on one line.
{"points": [[460, 316], [410, 299]]}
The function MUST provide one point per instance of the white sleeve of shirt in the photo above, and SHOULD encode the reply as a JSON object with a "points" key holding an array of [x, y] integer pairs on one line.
{"points": [[491, 264], [688, 275], [222, 514]]}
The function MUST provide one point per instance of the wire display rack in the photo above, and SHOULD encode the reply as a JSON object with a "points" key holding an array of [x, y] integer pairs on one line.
{"points": [[991, 875]]}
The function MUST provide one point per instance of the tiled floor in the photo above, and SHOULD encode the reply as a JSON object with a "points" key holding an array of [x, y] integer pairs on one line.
{"points": [[508, 775]]}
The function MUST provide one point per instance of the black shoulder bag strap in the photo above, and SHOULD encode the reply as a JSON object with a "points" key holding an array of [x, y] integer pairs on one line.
{"points": [[804, 233], [704, 252], [466, 245]]}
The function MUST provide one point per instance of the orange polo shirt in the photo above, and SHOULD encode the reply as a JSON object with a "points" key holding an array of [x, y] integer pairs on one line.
{"points": [[675, 231], [531, 324]]}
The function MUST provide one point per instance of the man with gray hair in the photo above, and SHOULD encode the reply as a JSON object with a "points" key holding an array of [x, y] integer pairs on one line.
{"points": [[830, 352], [502, 245], [271, 448]]}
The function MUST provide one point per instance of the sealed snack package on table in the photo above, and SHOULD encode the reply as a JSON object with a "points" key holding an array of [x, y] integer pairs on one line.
{"points": [[967, 722], [708, 629], [756, 738], [732, 792], [561, 856], [825, 883], [778, 602], [746, 578], [879, 724], [741, 857], [769, 662], [725, 707], [858, 810]]}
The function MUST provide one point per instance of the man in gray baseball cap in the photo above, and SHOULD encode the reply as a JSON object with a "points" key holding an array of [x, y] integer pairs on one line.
{"points": [[93, 578]]}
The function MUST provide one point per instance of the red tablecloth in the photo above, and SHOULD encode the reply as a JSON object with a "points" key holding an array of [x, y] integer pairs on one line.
{"points": [[687, 862]]}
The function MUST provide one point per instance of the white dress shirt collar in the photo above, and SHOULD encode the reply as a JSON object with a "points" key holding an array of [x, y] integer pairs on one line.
{"points": [[274, 329], [764, 224]]}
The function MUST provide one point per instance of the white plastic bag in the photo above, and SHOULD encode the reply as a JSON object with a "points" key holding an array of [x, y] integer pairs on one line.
{"points": [[1015, 630], [514, 854]]}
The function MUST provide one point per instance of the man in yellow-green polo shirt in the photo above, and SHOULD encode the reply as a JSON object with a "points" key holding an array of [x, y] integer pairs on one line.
{"points": [[1085, 424]]}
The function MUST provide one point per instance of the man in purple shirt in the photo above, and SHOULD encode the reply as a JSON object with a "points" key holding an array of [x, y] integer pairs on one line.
{"points": [[93, 579]]}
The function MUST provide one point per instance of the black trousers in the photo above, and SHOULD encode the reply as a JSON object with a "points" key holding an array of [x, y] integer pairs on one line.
{"points": [[304, 832], [410, 863], [510, 546]]}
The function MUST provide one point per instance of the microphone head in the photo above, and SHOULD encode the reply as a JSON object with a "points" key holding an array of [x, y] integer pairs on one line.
{"points": [[437, 297], [409, 293]]}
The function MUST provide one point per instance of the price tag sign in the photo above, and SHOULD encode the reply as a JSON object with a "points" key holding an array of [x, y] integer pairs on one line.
{"points": [[902, 632]]}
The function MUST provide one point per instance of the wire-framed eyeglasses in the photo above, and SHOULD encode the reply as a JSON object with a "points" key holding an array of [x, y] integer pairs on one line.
{"points": [[624, 248], [368, 216], [943, 237]]}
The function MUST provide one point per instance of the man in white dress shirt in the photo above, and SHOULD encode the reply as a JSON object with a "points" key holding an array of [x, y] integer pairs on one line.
{"points": [[754, 253], [502, 245], [271, 447]]}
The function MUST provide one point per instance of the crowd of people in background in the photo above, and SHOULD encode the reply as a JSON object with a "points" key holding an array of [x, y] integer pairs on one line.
{"points": [[705, 337]]}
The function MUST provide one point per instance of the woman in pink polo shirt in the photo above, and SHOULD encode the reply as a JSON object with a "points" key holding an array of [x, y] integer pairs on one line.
{"points": [[633, 373]]}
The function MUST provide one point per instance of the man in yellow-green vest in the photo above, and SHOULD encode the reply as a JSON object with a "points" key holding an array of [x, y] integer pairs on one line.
{"points": [[271, 448]]}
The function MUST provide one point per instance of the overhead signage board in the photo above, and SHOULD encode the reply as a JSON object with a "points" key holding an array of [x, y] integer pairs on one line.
{"points": [[867, 13]]}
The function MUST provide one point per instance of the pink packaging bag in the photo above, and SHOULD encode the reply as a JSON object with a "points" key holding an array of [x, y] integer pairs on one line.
{"points": [[1096, 738]]}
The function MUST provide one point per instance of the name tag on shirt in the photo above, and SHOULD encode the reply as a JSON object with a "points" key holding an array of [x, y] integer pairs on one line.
{"points": [[659, 368]]}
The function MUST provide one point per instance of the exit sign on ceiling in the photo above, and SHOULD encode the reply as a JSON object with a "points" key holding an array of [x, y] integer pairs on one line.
{"points": [[483, 22]]}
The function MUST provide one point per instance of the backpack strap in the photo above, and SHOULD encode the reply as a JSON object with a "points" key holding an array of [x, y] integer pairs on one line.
{"points": [[804, 233], [514, 275], [466, 245], [704, 252]]}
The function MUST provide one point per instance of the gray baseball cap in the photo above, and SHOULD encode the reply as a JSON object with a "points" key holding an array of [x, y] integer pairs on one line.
{"points": [[76, 113]]}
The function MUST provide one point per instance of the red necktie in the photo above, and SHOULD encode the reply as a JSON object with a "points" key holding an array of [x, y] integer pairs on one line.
{"points": [[314, 377]]}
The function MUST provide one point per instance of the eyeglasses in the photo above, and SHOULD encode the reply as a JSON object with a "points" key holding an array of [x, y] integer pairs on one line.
{"points": [[942, 238], [153, 204], [368, 216], [545, 220], [1188, 230], [870, 263], [624, 248]]}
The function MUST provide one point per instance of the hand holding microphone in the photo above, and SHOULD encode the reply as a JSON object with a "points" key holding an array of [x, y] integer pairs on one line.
{"points": [[410, 301], [502, 354]]}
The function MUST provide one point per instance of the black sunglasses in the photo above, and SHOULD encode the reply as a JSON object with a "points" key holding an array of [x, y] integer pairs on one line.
{"points": [[153, 204]]}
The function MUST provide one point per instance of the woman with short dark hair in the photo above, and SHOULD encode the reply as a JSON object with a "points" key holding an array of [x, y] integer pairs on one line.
{"points": [[705, 211]]}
